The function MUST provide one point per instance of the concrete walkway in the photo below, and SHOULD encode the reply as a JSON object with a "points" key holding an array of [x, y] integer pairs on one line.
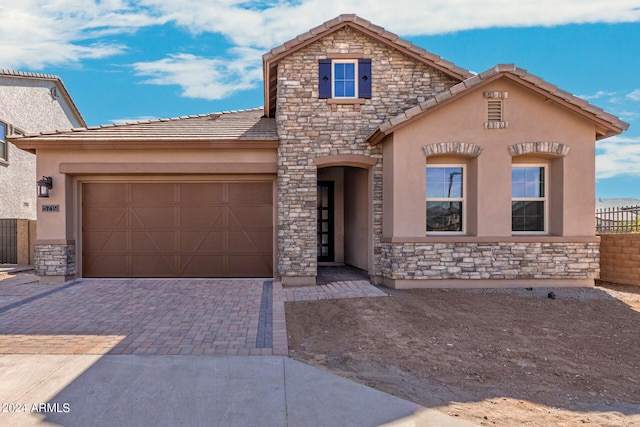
{"points": [[130, 390], [174, 352]]}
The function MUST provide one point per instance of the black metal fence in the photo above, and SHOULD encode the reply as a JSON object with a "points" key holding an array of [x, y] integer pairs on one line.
{"points": [[621, 219], [8, 241]]}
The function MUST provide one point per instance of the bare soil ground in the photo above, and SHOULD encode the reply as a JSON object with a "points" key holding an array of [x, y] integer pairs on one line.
{"points": [[494, 357]]}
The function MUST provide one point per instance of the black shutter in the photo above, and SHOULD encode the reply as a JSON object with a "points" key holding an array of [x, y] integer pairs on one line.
{"points": [[364, 77], [324, 78]]}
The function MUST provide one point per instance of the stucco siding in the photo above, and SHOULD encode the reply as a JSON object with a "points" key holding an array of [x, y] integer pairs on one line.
{"points": [[29, 105], [18, 184]]}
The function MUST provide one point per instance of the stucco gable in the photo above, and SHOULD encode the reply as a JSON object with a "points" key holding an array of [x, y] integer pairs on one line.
{"points": [[23, 109], [270, 59], [606, 124]]}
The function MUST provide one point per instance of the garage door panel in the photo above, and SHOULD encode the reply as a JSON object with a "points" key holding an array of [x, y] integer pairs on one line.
{"points": [[107, 265], [206, 229], [105, 217], [153, 241], [153, 265], [246, 217], [105, 241], [203, 266], [255, 193], [250, 241], [152, 193], [199, 192], [249, 266], [201, 216], [105, 193], [153, 217], [211, 242]]}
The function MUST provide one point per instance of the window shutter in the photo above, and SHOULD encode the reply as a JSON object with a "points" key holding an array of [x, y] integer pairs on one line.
{"points": [[324, 78], [364, 77]]}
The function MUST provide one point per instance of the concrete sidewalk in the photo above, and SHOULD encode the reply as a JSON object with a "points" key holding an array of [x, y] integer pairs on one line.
{"points": [[130, 390]]}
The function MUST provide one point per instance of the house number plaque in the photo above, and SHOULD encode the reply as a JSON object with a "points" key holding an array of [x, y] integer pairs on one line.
{"points": [[50, 208]]}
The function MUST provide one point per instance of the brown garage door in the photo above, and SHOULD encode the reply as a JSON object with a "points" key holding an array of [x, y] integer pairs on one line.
{"points": [[221, 229]]}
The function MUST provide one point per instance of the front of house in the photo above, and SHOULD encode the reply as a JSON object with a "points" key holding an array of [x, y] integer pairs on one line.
{"points": [[369, 152]]}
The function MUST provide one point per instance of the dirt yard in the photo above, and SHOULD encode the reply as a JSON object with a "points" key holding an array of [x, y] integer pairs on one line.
{"points": [[493, 357]]}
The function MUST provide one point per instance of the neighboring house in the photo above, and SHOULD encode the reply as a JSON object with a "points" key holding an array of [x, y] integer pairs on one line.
{"points": [[29, 102], [369, 151]]}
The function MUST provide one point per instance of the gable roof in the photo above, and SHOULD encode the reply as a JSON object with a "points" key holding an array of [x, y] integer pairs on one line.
{"points": [[606, 124], [271, 58], [201, 131], [62, 90]]}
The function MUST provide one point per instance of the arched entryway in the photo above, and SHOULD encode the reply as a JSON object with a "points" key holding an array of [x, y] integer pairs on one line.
{"points": [[344, 211]]}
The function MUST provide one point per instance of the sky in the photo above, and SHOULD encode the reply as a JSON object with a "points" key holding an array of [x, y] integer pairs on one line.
{"points": [[136, 60]]}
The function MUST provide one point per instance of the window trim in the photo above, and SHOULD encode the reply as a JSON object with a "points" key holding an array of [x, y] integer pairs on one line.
{"points": [[4, 144], [463, 199], [545, 199]]}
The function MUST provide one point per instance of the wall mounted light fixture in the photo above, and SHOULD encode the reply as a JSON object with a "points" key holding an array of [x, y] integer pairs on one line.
{"points": [[44, 185]]}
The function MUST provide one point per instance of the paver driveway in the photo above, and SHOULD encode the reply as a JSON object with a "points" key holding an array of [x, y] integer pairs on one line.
{"points": [[177, 316], [155, 316]]}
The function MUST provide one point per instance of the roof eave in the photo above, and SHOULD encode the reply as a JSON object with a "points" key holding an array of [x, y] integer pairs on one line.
{"points": [[166, 143]]}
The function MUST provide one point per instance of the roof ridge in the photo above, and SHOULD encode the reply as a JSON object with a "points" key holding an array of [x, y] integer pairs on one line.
{"points": [[28, 74], [392, 38], [136, 122]]}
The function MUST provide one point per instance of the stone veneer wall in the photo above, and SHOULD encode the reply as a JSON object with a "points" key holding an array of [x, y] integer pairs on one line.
{"points": [[308, 128], [620, 258], [55, 260], [496, 260]]}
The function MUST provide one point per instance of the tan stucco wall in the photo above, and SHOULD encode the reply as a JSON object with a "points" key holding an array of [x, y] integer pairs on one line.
{"points": [[571, 192], [357, 217]]}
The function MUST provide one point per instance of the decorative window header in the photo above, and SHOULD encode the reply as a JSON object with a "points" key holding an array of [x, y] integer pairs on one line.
{"points": [[553, 148], [462, 148]]}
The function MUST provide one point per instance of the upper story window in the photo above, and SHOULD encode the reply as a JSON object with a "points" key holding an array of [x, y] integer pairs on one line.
{"points": [[344, 78], [4, 146], [528, 199], [345, 84], [445, 198]]}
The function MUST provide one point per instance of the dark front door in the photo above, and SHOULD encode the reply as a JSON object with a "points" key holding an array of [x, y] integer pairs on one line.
{"points": [[325, 221]]}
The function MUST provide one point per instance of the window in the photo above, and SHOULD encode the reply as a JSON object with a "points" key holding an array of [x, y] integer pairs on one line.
{"points": [[528, 199], [4, 146], [445, 198], [344, 78]]}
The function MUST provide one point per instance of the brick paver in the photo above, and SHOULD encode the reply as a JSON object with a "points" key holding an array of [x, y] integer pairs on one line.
{"points": [[155, 316]]}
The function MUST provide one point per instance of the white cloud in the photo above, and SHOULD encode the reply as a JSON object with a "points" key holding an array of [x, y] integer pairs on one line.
{"points": [[205, 78], [618, 156], [635, 95], [132, 119], [599, 94], [38, 33], [266, 24]]}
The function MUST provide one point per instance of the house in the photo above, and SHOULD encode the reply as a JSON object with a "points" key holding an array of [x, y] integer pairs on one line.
{"points": [[29, 102], [369, 151]]}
